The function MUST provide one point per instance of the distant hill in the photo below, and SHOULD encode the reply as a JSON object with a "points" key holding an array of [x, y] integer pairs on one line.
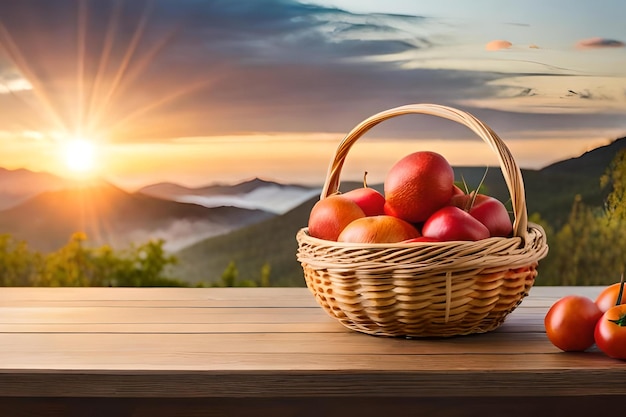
{"points": [[169, 190], [549, 191], [109, 215], [271, 241], [253, 194], [19, 185], [592, 163]]}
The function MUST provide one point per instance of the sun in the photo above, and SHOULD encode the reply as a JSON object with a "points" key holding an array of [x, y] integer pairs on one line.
{"points": [[80, 156]]}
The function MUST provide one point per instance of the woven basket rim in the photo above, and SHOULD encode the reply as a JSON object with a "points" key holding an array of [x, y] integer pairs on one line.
{"points": [[496, 252], [456, 243]]}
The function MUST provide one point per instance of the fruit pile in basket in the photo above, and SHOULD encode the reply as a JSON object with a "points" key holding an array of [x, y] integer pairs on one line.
{"points": [[421, 203]]}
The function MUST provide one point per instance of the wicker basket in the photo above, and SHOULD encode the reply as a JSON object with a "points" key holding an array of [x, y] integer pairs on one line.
{"points": [[420, 289]]}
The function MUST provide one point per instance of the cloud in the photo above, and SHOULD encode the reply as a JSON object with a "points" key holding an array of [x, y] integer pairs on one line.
{"points": [[599, 43], [163, 69], [557, 95], [171, 68], [497, 45]]}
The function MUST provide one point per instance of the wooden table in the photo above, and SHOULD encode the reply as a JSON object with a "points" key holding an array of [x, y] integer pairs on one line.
{"points": [[273, 352]]}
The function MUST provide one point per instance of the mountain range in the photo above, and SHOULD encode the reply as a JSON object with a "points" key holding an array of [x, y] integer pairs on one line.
{"points": [[256, 194], [252, 223], [112, 216]]}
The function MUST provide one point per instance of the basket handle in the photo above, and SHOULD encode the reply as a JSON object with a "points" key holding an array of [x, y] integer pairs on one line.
{"points": [[510, 170]]}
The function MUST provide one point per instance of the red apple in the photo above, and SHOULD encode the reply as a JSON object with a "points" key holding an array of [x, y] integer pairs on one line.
{"points": [[418, 185], [488, 210], [378, 229], [456, 190], [452, 223], [371, 201], [331, 215], [423, 239]]}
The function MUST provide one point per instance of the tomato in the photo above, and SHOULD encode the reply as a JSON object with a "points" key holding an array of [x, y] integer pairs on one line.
{"points": [[571, 321], [610, 332], [608, 297]]}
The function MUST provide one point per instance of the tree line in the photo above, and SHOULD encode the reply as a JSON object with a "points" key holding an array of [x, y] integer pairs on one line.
{"points": [[590, 248], [79, 265]]}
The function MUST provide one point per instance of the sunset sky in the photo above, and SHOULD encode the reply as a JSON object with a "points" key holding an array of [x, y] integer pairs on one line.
{"points": [[202, 91]]}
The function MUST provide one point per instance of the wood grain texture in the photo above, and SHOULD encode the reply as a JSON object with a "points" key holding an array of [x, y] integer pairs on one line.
{"points": [[66, 350]]}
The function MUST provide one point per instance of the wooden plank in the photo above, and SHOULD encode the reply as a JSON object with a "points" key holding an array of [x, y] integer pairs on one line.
{"points": [[158, 315], [224, 322], [299, 296], [66, 303], [325, 324], [276, 351], [18, 347], [328, 325], [237, 375], [291, 295], [300, 302]]}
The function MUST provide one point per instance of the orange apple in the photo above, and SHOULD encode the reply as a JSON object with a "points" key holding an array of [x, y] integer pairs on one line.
{"points": [[378, 229], [331, 215], [418, 185]]}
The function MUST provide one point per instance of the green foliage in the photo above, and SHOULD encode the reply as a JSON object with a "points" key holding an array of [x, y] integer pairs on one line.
{"points": [[18, 266], [615, 177], [590, 248], [230, 274], [77, 265], [230, 278], [266, 271]]}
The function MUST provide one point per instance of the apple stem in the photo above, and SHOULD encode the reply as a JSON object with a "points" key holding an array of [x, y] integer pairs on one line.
{"points": [[482, 180], [474, 193], [365, 179], [472, 200], [621, 290], [465, 185]]}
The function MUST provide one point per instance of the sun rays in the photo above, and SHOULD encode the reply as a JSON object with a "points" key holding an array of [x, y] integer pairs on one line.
{"points": [[92, 86]]}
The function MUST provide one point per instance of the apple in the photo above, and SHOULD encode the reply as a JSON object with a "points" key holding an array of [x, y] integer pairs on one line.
{"points": [[418, 185], [488, 210], [378, 229], [452, 223], [370, 200], [422, 239], [456, 190], [330, 215]]}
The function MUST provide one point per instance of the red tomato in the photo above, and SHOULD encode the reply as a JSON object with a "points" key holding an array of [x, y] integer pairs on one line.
{"points": [[571, 321], [608, 297], [610, 332]]}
